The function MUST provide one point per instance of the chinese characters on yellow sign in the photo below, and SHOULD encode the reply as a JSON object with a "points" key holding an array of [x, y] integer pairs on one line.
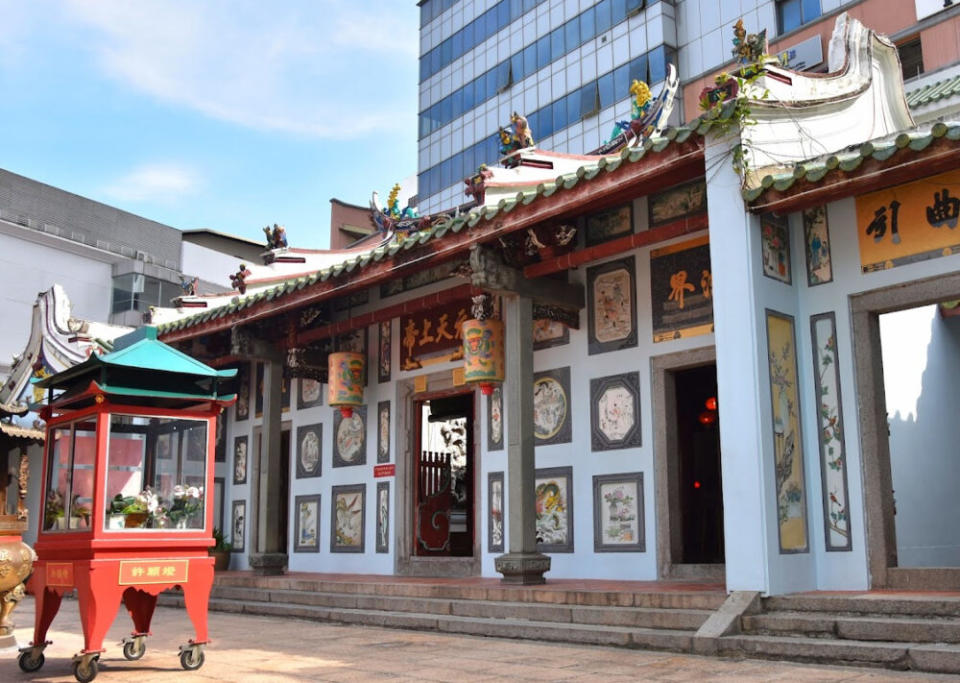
{"points": [[909, 223], [152, 571]]}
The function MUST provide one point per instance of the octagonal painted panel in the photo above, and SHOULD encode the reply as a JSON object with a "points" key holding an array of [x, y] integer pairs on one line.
{"points": [[615, 412]]}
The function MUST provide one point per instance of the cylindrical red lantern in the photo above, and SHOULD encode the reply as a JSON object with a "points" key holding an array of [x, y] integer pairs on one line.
{"points": [[483, 352], [346, 371]]}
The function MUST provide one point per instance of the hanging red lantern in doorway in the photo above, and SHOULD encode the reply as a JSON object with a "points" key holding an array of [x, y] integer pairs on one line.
{"points": [[345, 374], [709, 416]]}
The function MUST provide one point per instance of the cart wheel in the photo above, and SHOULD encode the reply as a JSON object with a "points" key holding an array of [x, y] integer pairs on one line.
{"points": [[134, 649], [191, 659], [28, 663], [87, 673]]}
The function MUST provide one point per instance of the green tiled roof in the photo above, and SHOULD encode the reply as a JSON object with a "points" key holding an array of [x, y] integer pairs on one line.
{"points": [[849, 159], [567, 181], [934, 92]]}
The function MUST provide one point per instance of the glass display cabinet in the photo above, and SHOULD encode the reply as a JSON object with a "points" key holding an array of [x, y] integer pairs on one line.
{"points": [[126, 515]]}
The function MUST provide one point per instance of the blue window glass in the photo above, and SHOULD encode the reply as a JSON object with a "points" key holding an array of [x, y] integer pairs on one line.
{"points": [[434, 60], [456, 42], [480, 88], [811, 10], [572, 104], [446, 109], [588, 100], [457, 103], [603, 16], [571, 34], [559, 115], [424, 124], [446, 52], [503, 15], [638, 70], [588, 27], [789, 15], [543, 52], [607, 94], [529, 59], [658, 64], [516, 9], [530, 4], [634, 5], [516, 66], [468, 100], [424, 67], [502, 71], [621, 82], [619, 10], [557, 48], [545, 122]]}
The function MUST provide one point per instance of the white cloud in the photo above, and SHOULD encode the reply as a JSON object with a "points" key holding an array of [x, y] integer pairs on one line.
{"points": [[161, 182], [339, 69]]}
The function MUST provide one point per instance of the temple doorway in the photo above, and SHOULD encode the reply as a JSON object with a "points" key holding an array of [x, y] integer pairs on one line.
{"points": [[284, 494], [443, 477], [689, 487]]}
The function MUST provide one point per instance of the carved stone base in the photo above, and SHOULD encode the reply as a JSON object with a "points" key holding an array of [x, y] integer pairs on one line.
{"points": [[526, 569], [268, 564]]}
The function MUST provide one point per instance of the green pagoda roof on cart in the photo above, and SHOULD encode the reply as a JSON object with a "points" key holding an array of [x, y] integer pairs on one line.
{"points": [[141, 365]]}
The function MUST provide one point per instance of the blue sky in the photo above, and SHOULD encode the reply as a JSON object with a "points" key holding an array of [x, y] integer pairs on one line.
{"points": [[221, 114]]}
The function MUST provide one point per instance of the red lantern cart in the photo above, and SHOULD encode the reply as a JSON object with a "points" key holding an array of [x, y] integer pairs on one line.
{"points": [[129, 459]]}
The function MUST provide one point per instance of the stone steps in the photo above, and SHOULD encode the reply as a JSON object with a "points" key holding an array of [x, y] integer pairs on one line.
{"points": [[919, 632], [933, 629], [927, 657], [634, 617]]}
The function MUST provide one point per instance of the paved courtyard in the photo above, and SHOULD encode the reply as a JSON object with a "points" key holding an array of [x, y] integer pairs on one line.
{"points": [[253, 648]]}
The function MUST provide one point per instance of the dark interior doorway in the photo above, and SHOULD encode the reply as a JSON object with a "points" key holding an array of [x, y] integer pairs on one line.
{"points": [[444, 477], [698, 453]]}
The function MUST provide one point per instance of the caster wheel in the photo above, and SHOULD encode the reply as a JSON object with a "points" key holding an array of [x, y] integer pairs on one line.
{"points": [[134, 649], [191, 659], [30, 664], [87, 673]]}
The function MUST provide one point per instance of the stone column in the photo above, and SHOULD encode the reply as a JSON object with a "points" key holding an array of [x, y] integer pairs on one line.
{"points": [[268, 558], [522, 564]]}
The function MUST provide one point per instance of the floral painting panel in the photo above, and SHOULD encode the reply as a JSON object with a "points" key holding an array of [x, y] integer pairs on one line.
{"points": [[350, 438], [548, 333], [384, 352], [238, 526], [383, 431], [240, 460], [612, 306], [554, 508], [551, 407], [833, 460], [346, 518], [495, 419], [309, 451], [787, 442], [775, 247], [618, 513], [383, 517], [816, 237], [307, 524], [309, 393], [495, 507], [615, 411]]}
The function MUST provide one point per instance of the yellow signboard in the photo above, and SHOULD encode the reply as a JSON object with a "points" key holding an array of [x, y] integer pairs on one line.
{"points": [[909, 223]]}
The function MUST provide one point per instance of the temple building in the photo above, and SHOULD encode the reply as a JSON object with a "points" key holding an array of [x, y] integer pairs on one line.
{"points": [[693, 383]]}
